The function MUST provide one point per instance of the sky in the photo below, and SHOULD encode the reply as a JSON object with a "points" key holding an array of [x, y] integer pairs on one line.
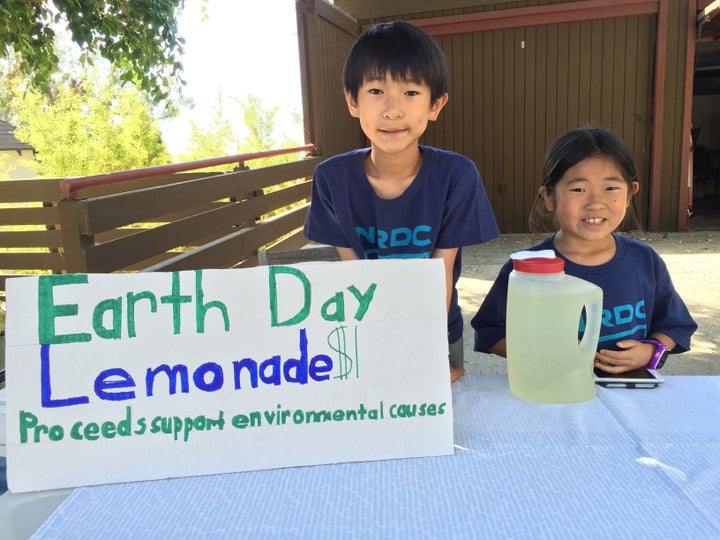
{"points": [[241, 47]]}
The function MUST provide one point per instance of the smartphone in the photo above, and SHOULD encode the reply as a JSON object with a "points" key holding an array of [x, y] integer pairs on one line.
{"points": [[635, 378]]}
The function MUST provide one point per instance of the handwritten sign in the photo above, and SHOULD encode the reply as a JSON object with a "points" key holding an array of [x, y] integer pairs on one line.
{"points": [[125, 377]]}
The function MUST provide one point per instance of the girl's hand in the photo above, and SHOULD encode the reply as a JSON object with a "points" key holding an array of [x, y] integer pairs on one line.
{"points": [[633, 355]]}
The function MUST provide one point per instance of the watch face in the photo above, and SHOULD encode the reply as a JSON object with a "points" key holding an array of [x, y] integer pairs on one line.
{"points": [[663, 357]]}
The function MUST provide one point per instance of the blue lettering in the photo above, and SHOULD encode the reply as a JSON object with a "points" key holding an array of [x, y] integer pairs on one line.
{"points": [[296, 369], [382, 238], [120, 379], [416, 233], [425, 255], [216, 380], [46, 387], [252, 368], [293, 370], [367, 234], [627, 310], [400, 237], [274, 376], [623, 314], [179, 371], [639, 329], [116, 384]]}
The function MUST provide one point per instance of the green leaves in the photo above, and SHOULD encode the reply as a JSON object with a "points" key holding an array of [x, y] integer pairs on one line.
{"points": [[139, 37], [90, 126]]}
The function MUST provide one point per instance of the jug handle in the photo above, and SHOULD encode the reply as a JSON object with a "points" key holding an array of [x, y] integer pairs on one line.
{"points": [[591, 335]]}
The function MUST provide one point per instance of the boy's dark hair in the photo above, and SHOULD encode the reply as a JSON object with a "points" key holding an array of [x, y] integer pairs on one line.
{"points": [[568, 150], [400, 49]]}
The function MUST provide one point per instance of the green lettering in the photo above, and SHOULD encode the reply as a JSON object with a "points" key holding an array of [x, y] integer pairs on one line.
{"points": [[363, 299], [28, 421], [302, 314], [132, 299], [339, 313], [92, 431], [114, 306], [48, 311], [240, 421], [176, 299], [201, 308], [108, 430]]}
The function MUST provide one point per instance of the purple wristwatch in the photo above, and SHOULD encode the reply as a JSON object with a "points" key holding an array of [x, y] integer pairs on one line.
{"points": [[660, 355]]}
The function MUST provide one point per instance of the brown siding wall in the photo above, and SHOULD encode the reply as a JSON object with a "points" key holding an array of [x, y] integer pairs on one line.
{"points": [[513, 91], [673, 179], [325, 36]]}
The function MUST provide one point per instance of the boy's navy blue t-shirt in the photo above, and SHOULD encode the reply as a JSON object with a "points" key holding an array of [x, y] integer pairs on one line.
{"points": [[444, 207], [639, 298]]}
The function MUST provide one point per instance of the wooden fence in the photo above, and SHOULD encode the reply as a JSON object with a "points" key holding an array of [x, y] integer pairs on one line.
{"points": [[159, 223]]}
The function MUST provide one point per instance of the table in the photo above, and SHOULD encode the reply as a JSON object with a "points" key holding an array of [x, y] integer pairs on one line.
{"points": [[627, 464]]}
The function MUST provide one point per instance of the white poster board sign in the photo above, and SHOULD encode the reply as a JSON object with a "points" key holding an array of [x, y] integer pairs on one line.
{"points": [[125, 377]]}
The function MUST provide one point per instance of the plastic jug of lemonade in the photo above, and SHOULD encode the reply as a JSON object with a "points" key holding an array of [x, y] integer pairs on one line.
{"points": [[545, 360]]}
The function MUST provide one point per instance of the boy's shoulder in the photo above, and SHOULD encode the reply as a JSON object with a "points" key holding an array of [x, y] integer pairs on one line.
{"points": [[433, 158], [445, 155], [454, 168], [346, 157]]}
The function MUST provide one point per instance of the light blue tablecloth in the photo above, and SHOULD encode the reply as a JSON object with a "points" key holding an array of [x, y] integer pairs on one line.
{"points": [[627, 464]]}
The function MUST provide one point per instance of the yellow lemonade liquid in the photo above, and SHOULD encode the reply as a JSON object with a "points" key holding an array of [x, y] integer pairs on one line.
{"points": [[545, 360]]}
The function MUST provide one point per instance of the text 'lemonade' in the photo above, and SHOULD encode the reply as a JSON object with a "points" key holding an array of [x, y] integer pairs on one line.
{"points": [[546, 360]]}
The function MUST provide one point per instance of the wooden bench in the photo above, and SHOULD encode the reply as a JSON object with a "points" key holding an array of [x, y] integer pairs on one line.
{"points": [[309, 253]]}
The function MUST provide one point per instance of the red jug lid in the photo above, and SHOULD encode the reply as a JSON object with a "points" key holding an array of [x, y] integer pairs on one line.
{"points": [[539, 265]]}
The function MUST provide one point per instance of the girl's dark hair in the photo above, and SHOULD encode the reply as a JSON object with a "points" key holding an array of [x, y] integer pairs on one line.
{"points": [[568, 150], [400, 49]]}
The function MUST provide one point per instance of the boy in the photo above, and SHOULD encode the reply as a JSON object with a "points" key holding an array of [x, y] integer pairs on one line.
{"points": [[397, 198]]}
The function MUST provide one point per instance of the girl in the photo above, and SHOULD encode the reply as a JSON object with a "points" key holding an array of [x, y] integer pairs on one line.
{"points": [[589, 183]]}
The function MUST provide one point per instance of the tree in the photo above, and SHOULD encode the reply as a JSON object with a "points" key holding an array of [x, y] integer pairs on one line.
{"points": [[260, 123], [138, 37], [90, 126], [218, 138]]}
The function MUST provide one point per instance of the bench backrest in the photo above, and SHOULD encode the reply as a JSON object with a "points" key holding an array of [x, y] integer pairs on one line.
{"points": [[309, 253]]}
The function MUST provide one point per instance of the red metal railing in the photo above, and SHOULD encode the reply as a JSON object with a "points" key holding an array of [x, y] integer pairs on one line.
{"points": [[72, 185]]}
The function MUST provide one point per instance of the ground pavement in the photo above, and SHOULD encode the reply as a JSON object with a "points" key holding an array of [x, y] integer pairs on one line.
{"points": [[693, 259]]}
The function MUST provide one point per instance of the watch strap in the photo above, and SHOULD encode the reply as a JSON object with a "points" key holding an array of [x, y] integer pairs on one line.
{"points": [[659, 356]]}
